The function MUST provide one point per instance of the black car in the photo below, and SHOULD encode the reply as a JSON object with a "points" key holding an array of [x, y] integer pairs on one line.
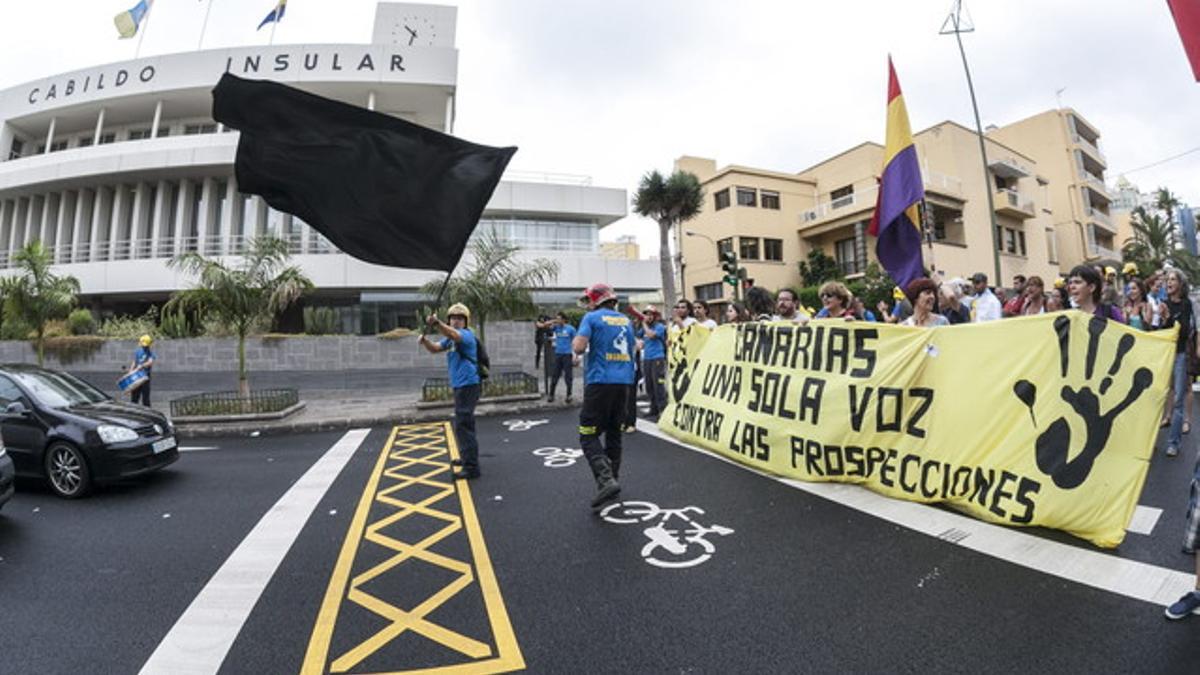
{"points": [[59, 427], [7, 476]]}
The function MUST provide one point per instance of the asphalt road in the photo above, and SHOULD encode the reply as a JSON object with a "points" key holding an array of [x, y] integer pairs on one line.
{"points": [[783, 581]]}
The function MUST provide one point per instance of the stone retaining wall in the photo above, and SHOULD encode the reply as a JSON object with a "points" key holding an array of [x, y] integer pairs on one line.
{"points": [[509, 344]]}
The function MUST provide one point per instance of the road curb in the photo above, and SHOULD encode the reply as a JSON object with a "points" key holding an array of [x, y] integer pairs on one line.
{"points": [[406, 415]]}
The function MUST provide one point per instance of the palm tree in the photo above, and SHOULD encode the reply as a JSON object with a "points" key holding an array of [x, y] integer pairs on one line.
{"points": [[35, 295], [1166, 202], [258, 288], [495, 282], [670, 202], [1152, 245]]}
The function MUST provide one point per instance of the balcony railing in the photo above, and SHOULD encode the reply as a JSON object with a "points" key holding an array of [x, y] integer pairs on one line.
{"points": [[1099, 216], [1095, 182], [1097, 251], [1090, 147], [1010, 201]]}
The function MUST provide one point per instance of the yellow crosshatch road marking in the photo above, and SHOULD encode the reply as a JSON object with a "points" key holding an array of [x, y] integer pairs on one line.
{"points": [[415, 455]]}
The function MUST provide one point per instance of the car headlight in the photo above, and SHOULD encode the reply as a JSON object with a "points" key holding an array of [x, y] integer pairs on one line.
{"points": [[111, 433]]}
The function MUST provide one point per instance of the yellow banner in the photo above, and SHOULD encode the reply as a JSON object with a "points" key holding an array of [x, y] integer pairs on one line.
{"points": [[1046, 420]]}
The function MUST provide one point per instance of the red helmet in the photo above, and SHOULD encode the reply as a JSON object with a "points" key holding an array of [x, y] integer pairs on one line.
{"points": [[596, 294]]}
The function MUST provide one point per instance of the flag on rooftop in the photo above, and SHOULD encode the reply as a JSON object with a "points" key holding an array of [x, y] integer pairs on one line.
{"points": [[896, 222], [380, 188], [1187, 20], [276, 14], [127, 22]]}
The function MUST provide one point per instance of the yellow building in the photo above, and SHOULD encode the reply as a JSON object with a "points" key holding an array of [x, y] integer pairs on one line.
{"points": [[623, 248], [1045, 175], [1067, 149]]}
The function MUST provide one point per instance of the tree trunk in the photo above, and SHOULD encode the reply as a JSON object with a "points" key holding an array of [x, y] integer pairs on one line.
{"points": [[666, 265], [243, 383], [41, 344]]}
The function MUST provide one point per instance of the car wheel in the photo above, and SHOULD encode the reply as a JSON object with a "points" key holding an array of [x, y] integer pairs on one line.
{"points": [[67, 471]]}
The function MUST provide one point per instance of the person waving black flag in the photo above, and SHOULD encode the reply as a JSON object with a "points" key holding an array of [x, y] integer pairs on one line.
{"points": [[382, 189]]}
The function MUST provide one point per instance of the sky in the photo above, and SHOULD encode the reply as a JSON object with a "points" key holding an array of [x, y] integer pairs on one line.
{"points": [[616, 88]]}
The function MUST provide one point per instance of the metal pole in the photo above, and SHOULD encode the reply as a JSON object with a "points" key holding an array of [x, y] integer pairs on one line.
{"points": [[987, 184], [204, 26], [143, 28]]}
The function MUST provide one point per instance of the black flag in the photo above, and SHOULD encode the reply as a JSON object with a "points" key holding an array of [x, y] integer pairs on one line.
{"points": [[379, 188]]}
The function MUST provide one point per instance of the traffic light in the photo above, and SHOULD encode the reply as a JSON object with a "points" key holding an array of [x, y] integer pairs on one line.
{"points": [[729, 263]]}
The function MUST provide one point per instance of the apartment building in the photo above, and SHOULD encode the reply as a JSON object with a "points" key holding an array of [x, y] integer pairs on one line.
{"points": [[1066, 148], [772, 220]]}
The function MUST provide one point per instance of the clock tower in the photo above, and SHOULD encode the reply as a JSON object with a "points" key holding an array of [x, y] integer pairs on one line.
{"points": [[411, 25]]}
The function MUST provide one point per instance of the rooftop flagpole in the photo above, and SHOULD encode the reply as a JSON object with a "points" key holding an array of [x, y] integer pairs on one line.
{"points": [[143, 28], [274, 24], [204, 26], [954, 25]]}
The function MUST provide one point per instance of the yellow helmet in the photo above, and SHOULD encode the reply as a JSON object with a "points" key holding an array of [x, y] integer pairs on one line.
{"points": [[897, 293], [1110, 272], [145, 340], [1060, 283], [459, 309], [1129, 268]]}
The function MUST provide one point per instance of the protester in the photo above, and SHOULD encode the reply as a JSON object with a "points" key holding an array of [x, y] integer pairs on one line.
{"points": [[787, 307], [681, 315], [736, 312], [462, 361], [1154, 290], [860, 310], [564, 358], [760, 304], [1190, 603], [1137, 310], [607, 337], [901, 309], [1111, 295], [654, 360], [1013, 307], [835, 301], [1055, 301], [143, 360], [543, 339], [985, 306], [922, 293], [701, 315], [1034, 301], [1179, 313], [1085, 286], [951, 305]]}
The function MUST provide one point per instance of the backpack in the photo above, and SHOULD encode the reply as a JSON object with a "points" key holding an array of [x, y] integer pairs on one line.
{"points": [[484, 363]]}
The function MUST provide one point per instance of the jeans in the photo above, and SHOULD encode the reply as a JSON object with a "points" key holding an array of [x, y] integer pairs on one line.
{"points": [[465, 399], [1180, 382], [142, 394], [564, 364], [656, 384]]}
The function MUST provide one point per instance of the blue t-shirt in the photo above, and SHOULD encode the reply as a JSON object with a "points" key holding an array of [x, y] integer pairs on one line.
{"points": [[562, 338], [654, 347], [610, 347], [142, 355], [462, 358]]}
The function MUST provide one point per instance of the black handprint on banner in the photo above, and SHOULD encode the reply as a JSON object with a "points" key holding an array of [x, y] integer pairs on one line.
{"points": [[682, 368], [1054, 444]]}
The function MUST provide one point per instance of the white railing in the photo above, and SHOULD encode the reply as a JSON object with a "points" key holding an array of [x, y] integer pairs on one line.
{"points": [[1095, 182], [1012, 164], [866, 196], [1097, 251], [547, 177], [1013, 199], [1090, 147], [1100, 217]]}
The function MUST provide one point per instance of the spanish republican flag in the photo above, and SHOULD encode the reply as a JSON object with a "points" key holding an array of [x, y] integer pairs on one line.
{"points": [[1187, 20], [896, 221]]}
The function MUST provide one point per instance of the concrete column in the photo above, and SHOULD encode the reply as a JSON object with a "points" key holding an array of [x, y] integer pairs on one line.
{"points": [[183, 214], [140, 195], [7, 213], [449, 126], [101, 221], [66, 204], [50, 134], [99, 127], [157, 119], [81, 229], [228, 217], [48, 217], [159, 215], [206, 205], [16, 238], [120, 206], [33, 220], [260, 215], [308, 242], [370, 100]]}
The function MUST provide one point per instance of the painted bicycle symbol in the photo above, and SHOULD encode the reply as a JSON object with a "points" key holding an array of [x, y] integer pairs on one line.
{"points": [[557, 458], [676, 540], [523, 425]]}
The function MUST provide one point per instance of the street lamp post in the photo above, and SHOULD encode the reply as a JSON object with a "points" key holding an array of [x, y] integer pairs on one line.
{"points": [[954, 25], [693, 233]]}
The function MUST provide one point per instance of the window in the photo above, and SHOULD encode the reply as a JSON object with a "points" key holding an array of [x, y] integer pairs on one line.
{"points": [[770, 200], [709, 292], [163, 132], [847, 259], [105, 139], [747, 197], [139, 134], [721, 198], [843, 196], [749, 248], [773, 249], [724, 246], [16, 149], [194, 129], [9, 391], [57, 146], [1011, 240], [1051, 246], [85, 141]]}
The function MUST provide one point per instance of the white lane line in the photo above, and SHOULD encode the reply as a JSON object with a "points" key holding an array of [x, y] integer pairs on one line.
{"points": [[1140, 581], [201, 638], [1144, 519], [196, 448]]}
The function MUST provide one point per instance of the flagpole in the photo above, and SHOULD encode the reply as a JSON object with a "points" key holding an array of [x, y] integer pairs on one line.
{"points": [[955, 20], [142, 30], [274, 25], [438, 303], [204, 26]]}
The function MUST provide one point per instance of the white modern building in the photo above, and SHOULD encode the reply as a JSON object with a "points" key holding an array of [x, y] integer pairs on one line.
{"points": [[119, 167]]}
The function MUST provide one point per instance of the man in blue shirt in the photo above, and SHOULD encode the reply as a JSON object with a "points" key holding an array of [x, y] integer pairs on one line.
{"points": [[654, 360], [462, 359], [564, 358], [143, 359], [607, 338]]}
